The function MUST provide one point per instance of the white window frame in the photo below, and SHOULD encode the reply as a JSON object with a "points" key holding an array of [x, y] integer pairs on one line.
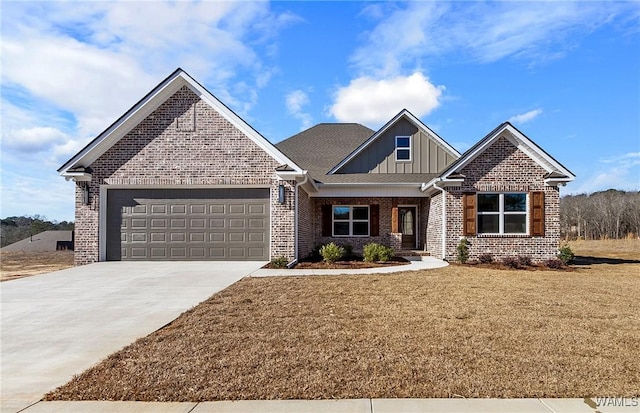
{"points": [[501, 213], [350, 220], [404, 148]]}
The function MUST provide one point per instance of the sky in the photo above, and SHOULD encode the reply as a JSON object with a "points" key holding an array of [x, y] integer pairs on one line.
{"points": [[567, 74]]}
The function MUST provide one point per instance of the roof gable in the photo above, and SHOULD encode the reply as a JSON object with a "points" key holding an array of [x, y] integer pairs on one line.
{"points": [[556, 172], [403, 115], [141, 110]]}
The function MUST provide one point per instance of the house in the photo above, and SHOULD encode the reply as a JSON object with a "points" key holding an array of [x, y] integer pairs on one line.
{"points": [[180, 176]]}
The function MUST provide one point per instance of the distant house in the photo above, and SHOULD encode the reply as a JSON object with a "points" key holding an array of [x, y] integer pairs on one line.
{"points": [[182, 177], [44, 241]]}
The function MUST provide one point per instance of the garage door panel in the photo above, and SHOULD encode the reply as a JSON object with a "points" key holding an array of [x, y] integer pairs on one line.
{"points": [[188, 224], [158, 209], [217, 223], [217, 236], [198, 209], [158, 237], [197, 237]]}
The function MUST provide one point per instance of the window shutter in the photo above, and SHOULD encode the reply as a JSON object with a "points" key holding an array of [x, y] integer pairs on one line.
{"points": [[468, 214], [327, 211], [536, 210], [374, 220]]}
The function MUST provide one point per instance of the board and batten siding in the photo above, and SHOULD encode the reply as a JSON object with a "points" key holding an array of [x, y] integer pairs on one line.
{"points": [[427, 156]]}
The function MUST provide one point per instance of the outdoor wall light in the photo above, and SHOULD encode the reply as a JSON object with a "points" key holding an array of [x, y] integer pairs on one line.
{"points": [[281, 194], [85, 193]]}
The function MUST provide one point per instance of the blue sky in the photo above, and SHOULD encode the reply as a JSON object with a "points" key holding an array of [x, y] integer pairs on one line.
{"points": [[567, 74]]}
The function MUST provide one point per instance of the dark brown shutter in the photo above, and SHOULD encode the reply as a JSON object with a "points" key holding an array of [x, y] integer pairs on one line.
{"points": [[536, 210], [327, 212], [468, 214], [374, 220]]}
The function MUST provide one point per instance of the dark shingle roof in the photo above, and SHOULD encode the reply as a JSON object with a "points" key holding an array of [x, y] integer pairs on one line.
{"points": [[321, 147]]}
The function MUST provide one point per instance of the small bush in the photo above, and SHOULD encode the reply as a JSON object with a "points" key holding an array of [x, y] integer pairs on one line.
{"points": [[565, 254], [315, 253], [348, 250], [485, 258], [279, 262], [331, 252], [463, 250], [525, 260], [511, 262], [555, 264], [376, 252]]}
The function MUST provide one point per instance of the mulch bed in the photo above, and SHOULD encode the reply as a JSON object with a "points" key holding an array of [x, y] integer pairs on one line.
{"points": [[345, 265]]}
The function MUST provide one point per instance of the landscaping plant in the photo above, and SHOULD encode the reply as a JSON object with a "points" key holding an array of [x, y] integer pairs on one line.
{"points": [[279, 262], [565, 254], [331, 252], [463, 250], [375, 252]]}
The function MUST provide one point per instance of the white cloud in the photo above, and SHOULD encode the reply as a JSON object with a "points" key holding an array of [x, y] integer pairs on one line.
{"points": [[619, 172], [407, 35], [33, 140], [374, 101], [296, 101], [525, 117]]}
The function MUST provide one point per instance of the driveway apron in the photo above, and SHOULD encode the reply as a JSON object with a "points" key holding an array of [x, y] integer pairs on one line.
{"points": [[58, 324]]}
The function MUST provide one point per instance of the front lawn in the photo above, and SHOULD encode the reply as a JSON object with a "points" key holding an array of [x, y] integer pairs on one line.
{"points": [[455, 331]]}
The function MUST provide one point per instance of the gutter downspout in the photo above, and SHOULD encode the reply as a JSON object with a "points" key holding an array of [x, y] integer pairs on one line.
{"points": [[295, 221], [444, 218]]}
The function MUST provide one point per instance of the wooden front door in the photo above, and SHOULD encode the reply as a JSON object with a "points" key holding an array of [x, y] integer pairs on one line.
{"points": [[408, 224]]}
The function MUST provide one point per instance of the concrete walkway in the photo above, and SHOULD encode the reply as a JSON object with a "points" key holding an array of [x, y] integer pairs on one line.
{"points": [[593, 405], [59, 324], [425, 263]]}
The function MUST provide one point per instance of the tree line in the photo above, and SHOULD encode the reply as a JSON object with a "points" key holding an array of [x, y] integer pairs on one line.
{"points": [[14, 229], [610, 214]]}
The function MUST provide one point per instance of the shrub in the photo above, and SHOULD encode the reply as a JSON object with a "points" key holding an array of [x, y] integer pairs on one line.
{"points": [[554, 264], [348, 250], [331, 252], [376, 252], [315, 252], [511, 262], [525, 260], [565, 254], [279, 262], [485, 258], [463, 250]]}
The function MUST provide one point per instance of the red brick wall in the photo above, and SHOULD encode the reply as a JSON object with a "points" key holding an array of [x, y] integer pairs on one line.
{"points": [[184, 143], [306, 219], [385, 219], [504, 168]]}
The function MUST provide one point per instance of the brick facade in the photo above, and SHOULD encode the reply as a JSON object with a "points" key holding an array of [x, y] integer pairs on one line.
{"points": [[504, 168], [305, 224], [385, 234], [184, 143]]}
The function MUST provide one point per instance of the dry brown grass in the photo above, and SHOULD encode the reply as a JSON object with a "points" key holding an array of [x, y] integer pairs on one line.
{"points": [[456, 331], [624, 249], [22, 264]]}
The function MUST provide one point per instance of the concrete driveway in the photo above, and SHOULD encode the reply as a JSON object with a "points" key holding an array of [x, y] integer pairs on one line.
{"points": [[58, 324]]}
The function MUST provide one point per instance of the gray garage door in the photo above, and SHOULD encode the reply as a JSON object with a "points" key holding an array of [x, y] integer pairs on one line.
{"points": [[188, 224]]}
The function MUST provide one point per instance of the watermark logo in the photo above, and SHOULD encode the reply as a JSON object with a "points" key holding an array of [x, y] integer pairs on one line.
{"points": [[597, 402]]}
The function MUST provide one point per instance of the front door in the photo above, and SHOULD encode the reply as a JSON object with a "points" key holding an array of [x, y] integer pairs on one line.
{"points": [[408, 223]]}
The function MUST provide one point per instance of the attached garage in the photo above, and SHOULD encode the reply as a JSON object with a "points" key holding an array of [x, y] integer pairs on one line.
{"points": [[188, 224]]}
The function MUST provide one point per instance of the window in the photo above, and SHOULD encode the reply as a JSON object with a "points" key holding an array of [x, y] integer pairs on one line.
{"points": [[403, 148], [502, 213], [350, 221]]}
